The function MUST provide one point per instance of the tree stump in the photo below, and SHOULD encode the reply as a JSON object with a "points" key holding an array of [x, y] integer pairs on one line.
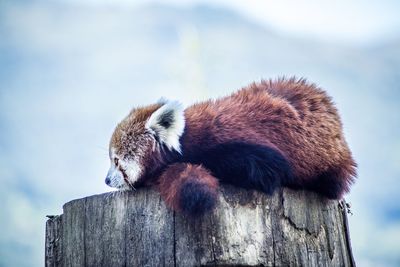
{"points": [[248, 228]]}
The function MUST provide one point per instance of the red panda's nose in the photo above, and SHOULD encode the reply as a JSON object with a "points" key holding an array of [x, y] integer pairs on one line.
{"points": [[108, 181]]}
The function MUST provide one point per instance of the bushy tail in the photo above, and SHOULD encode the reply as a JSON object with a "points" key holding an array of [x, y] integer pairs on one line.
{"points": [[188, 188], [334, 183]]}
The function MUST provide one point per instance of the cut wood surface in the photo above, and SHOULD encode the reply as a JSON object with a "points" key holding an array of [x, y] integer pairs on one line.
{"points": [[248, 228]]}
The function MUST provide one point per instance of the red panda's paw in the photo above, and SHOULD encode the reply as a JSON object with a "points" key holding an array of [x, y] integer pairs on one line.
{"points": [[188, 188]]}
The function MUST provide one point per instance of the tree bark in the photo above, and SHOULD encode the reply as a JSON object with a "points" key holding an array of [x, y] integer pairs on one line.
{"points": [[248, 228]]}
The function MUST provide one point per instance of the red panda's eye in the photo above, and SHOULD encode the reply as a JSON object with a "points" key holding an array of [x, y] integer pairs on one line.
{"points": [[116, 161]]}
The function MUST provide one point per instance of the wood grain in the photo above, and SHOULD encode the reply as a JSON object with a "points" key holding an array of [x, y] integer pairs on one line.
{"points": [[248, 228]]}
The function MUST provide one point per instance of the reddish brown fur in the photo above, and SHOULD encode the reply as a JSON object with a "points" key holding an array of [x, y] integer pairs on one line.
{"points": [[294, 116], [131, 131]]}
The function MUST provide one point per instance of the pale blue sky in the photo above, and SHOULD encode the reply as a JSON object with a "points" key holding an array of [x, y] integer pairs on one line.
{"points": [[70, 70], [355, 21]]}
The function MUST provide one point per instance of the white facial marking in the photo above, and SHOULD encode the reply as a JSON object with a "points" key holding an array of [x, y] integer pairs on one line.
{"points": [[132, 170], [116, 176]]}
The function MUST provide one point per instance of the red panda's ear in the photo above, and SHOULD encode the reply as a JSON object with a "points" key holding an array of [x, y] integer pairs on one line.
{"points": [[168, 123]]}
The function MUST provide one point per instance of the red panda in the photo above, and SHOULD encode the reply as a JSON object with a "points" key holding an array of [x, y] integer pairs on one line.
{"points": [[270, 134]]}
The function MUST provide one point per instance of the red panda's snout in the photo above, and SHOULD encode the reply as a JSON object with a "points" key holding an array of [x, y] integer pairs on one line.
{"points": [[124, 171], [137, 142]]}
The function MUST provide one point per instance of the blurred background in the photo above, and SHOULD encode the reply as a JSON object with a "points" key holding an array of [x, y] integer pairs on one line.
{"points": [[70, 70]]}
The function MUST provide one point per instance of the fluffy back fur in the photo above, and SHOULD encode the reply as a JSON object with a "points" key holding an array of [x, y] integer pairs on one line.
{"points": [[269, 134]]}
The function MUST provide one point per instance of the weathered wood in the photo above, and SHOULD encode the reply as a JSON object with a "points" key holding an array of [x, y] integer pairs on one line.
{"points": [[248, 228], [53, 241]]}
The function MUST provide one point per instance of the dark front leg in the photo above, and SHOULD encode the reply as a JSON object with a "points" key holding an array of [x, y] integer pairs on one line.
{"points": [[248, 165], [188, 188]]}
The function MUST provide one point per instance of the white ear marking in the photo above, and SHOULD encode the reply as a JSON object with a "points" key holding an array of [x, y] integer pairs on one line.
{"points": [[168, 123]]}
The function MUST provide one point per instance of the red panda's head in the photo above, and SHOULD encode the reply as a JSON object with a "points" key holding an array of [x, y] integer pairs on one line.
{"points": [[137, 142]]}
